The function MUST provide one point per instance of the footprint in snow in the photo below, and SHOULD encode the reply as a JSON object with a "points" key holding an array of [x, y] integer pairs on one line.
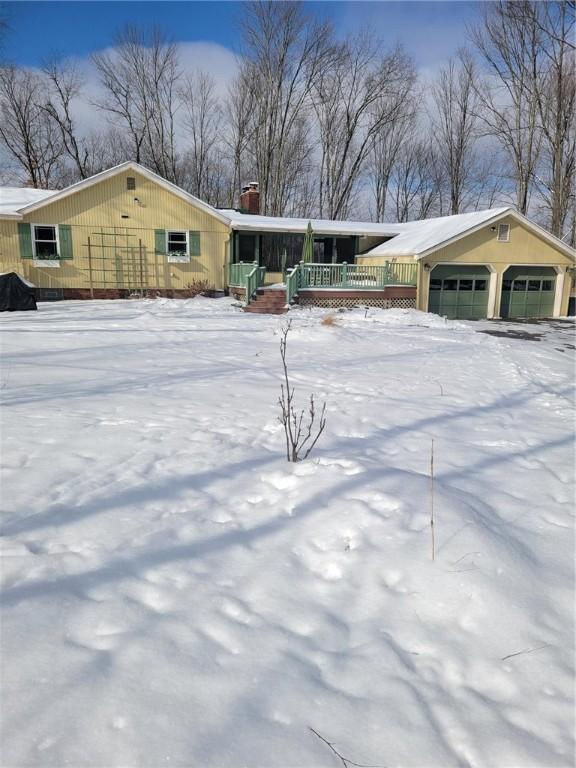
{"points": [[234, 610], [379, 503], [106, 636], [151, 597], [280, 480], [349, 467]]}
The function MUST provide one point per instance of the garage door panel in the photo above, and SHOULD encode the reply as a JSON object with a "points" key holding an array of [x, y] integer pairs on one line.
{"points": [[528, 292], [459, 292]]}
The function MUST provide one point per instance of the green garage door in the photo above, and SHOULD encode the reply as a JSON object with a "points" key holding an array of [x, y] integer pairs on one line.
{"points": [[528, 292], [459, 292]]}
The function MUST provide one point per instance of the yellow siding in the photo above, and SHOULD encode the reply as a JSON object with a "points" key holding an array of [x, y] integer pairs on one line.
{"points": [[371, 261], [273, 277], [123, 250]]}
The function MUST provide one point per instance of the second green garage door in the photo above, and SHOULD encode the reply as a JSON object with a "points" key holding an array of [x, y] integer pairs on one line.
{"points": [[459, 292], [528, 292]]}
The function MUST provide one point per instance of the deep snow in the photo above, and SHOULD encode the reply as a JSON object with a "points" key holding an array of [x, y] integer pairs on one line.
{"points": [[176, 594]]}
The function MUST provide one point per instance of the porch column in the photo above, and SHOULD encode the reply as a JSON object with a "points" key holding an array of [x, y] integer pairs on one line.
{"points": [[494, 291], [560, 277]]}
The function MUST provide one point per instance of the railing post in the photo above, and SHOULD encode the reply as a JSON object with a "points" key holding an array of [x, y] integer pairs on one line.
{"points": [[344, 274]]}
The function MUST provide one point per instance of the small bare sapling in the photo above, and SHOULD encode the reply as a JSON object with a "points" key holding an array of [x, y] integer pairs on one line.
{"points": [[301, 435], [433, 541]]}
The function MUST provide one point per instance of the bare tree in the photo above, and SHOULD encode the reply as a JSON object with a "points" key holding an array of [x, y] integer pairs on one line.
{"points": [[26, 130], [283, 50], [237, 134], [359, 93], [454, 121], [529, 102], [384, 154], [414, 181], [509, 47], [556, 99], [66, 84], [203, 126], [141, 82]]}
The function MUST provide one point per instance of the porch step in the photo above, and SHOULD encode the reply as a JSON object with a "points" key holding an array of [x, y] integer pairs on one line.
{"points": [[268, 301]]}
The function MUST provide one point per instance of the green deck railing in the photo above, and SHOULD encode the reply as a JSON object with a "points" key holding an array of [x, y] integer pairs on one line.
{"points": [[237, 272], [349, 276], [253, 280], [293, 283]]}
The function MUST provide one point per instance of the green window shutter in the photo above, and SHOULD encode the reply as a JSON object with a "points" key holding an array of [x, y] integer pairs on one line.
{"points": [[160, 241], [65, 238], [194, 240], [25, 238]]}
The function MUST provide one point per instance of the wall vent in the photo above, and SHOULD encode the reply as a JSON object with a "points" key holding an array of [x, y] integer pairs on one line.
{"points": [[130, 182], [503, 233]]}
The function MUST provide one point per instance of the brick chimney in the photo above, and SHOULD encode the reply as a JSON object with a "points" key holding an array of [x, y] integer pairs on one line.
{"points": [[250, 198]]}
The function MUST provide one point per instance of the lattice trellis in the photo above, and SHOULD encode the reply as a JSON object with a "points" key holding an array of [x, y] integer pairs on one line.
{"points": [[343, 301]]}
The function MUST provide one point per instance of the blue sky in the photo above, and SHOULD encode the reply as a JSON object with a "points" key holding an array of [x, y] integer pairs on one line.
{"points": [[430, 31]]}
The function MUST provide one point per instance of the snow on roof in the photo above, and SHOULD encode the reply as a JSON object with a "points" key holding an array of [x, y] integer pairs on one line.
{"points": [[250, 222], [419, 237], [14, 198]]}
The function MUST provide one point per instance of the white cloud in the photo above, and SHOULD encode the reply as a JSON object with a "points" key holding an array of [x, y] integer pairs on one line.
{"points": [[218, 61]]}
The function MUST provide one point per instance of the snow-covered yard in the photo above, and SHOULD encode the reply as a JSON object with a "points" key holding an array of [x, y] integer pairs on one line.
{"points": [[176, 593]]}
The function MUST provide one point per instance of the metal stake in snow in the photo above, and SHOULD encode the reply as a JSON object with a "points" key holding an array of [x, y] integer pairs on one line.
{"points": [[432, 497]]}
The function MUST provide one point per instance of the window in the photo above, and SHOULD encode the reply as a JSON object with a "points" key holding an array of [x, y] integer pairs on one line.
{"points": [[130, 182], [435, 285], [177, 246], [547, 285], [533, 285], [480, 285], [44, 242], [519, 285], [466, 285], [503, 233], [177, 242], [506, 285], [450, 285]]}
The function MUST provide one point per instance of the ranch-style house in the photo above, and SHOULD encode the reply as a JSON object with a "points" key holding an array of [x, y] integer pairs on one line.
{"points": [[127, 231]]}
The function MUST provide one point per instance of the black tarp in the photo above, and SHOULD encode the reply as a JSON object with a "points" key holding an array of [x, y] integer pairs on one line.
{"points": [[15, 295]]}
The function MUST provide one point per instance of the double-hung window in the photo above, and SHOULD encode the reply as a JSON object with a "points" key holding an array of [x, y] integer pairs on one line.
{"points": [[177, 246], [45, 242]]}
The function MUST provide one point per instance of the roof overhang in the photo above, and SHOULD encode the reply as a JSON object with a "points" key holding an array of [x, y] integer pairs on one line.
{"points": [[278, 225]]}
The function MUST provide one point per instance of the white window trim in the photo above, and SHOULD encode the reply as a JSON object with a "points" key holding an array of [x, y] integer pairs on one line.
{"points": [[33, 236], [173, 259], [507, 238]]}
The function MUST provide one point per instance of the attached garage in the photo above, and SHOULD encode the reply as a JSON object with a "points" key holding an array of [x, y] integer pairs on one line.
{"points": [[459, 292], [528, 292]]}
